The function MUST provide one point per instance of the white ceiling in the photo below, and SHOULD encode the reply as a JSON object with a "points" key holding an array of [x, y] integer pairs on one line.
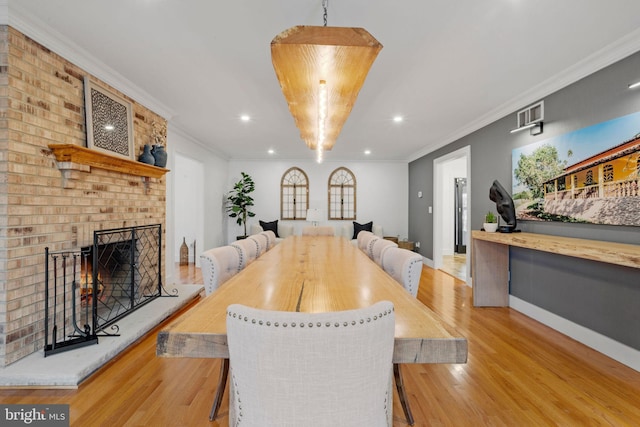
{"points": [[448, 66]]}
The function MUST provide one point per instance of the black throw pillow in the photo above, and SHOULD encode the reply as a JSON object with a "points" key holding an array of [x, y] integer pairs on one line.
{"points": [[361, 227], [273, 226]]}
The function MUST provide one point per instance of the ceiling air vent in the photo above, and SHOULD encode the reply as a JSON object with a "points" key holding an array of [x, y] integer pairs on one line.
{"points": [[531, 118]]}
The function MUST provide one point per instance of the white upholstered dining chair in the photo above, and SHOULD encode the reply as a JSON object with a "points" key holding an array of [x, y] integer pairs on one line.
{"points": [[218, 265], [364, 237], [311, 369], [321, 230], [248, 251], [318, 231], [405, 267], [262, 241], [369, 248], [378, 249], [271, 238]]}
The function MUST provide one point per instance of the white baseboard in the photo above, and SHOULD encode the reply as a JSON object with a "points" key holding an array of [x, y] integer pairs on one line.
{"points": [[622, 353], [428, 262]]}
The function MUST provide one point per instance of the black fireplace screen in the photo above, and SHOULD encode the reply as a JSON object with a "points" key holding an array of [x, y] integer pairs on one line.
{"points": [[89, 290]]}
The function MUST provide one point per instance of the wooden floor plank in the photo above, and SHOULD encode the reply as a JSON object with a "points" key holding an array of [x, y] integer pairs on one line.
{"points": [[519, 373]]}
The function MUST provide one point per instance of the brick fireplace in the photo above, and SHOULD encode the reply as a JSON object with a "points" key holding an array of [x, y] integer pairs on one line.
{"points": [[43, 204]]}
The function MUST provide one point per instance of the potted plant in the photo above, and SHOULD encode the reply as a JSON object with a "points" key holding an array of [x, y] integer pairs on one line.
{"points": [[239, 202], [490, 222]]}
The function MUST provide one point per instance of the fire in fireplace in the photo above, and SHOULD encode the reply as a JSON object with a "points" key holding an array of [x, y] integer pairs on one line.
{"points": [[86, 280], [89, 290]]}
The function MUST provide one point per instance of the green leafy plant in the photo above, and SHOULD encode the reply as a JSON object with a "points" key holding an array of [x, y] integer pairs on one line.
{"points": [[239, 201], [490, 217]]}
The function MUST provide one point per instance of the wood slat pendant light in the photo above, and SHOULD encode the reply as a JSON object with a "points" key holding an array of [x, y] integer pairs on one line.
{"points": [[305, 58]]}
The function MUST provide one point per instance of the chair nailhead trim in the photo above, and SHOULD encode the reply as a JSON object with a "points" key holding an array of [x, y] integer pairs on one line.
{"points": [[327, 324]]}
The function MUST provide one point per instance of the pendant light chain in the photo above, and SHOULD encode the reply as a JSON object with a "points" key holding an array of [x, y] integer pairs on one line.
{"points": [[325, 5]]}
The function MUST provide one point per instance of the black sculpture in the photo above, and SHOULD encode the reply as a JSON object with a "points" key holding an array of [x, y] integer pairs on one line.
{"points": [[504, 206]]}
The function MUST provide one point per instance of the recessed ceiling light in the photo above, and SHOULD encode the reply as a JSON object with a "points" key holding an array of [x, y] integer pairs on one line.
{"points": [[367, 152], [271, 151], [245, 118], [398, 119]]}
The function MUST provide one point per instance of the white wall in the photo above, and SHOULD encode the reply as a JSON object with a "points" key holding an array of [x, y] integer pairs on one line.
{"points": [[213, 195], [188, 176], [382, 193]]}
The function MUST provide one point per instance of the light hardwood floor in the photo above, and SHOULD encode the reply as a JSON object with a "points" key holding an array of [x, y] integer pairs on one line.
{"points": [[455, 265], [519, 373]]}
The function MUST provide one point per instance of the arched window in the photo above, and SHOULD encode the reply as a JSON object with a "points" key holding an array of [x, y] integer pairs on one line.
{"points": [[342, 194], [294, 194]]}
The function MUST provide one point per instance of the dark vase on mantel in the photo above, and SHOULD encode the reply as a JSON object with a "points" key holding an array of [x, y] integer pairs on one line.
{"points": [[146, 156], [159, 155]]}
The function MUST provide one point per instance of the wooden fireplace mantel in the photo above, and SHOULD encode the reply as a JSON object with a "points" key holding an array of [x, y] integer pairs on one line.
{"points": [[73, 157]]}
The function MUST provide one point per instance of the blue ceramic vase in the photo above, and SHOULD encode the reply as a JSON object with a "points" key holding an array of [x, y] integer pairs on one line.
{"points": [[160, 156], [146, 156]]}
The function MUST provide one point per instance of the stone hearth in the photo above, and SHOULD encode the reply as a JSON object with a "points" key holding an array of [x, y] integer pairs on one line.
{"points": [[70, 368]]}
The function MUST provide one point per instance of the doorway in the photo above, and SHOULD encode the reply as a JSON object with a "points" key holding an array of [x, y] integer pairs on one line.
{"points": [[451, 213], [460, 232]]}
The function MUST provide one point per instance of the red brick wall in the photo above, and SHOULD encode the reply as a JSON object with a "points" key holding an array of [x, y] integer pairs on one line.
{"points": [[42, 102]]}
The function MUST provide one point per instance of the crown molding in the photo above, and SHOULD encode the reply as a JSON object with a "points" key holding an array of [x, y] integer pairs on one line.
{"points": [[612, 53], [179, 130], [44, 34]]}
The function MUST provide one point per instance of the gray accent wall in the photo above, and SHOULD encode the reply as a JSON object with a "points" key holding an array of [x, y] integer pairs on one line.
{"points": [[601, 297]]}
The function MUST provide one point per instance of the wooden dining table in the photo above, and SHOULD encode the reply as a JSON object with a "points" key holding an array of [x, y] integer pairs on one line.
{"points": [[313, 274]]}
